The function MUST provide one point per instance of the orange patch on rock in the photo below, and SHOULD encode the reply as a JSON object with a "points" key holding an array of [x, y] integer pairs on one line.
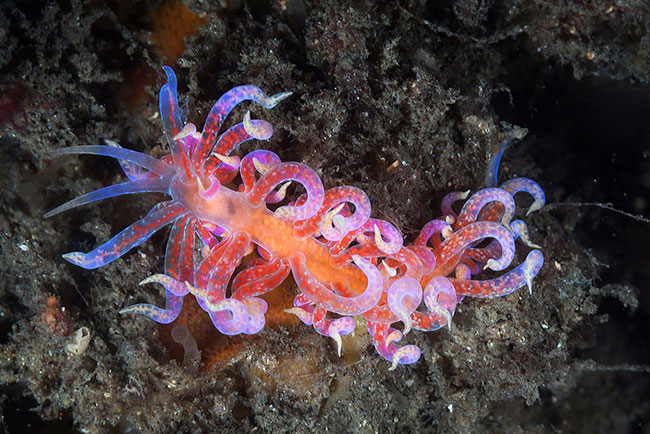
{"points": [[172, 22], [55, 318]]}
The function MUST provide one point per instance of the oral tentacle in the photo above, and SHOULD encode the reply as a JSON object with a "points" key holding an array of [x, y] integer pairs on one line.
{"points": [[131, 237], [153, 185], [142, 160]]}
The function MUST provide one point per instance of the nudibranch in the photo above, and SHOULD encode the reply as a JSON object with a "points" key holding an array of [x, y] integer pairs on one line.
{"points": [[345, 263]]}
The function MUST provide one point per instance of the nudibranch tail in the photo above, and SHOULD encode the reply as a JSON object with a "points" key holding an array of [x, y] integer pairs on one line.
{"points": [[345, 263], [493, 166]]}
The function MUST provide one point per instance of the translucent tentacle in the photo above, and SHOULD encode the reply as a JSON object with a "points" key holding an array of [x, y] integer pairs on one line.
{"points": [[302, 309], [211, 190], [363, 250], [179, 263], [332, 302], [235, 136], [384, 338], [477, 202], [463, 238], [493, 166], [440, 299], [407, 258], [169, 116], [259, 279], [226, 316], [131, 237], [222, 108], [449, 200], [426, 257], [179, 268], [430, 229], [174, 290], [382, 229], [143, 160], [372, 233], [290, 172], [265, 159], [401, 288], [382, 312], [520, 230], [256, 308], [229, 316], [516, 185], [332, 328], [334, 198], [482, 255], [225, 266], [131, 170], [463, 272], [179, 255], [172, 285], [505, 284], [153, 185], [207, 266]]}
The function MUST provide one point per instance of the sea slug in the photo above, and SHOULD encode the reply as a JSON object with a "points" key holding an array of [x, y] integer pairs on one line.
{"points": [[345, 263]]}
